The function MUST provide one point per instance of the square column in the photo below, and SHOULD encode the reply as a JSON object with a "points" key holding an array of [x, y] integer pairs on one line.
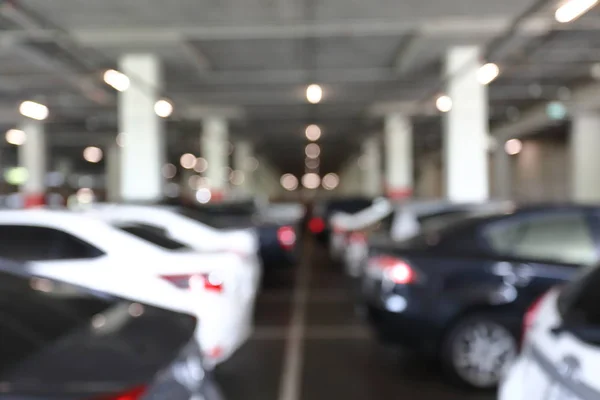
{"points": [[372, 174], [33, 157], [585, 160], [398, 156], [466, 128], [216, 152], [143, 152]]}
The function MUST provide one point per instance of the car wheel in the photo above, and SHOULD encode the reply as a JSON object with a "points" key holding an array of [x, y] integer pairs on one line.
{"points": [[478, 350]]}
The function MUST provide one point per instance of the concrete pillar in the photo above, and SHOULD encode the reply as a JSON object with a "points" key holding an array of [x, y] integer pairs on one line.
{"points": [[143, 152], [242, 156], [372, 175], [33, 157], [585, 148], [398, 156], [113, 173], [216, 152], [502, 170], [466, 128]]}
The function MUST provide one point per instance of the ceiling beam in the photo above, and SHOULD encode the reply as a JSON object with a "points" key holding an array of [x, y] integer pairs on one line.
{"points": [[459, 27]]}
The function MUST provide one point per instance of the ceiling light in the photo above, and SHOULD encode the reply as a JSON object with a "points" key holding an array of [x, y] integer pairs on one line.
{"points": [[312, 163], [92, 154], [85, 195], [252, 164], [487, 73], [330, 181], [444, 103], [513, 146], [188, 161], [16, 137], [314, 94], [163, 108], [289, 182], [203, 195], [201, 165], [120, 139], [313, 132], [311, 180], [33, 110], [169, 171], [573, 9], [237, 177], [117, 80], [312, 150]]}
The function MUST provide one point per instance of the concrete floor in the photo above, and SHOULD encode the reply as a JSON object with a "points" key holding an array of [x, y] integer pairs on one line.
{"points": [[309, 344]]}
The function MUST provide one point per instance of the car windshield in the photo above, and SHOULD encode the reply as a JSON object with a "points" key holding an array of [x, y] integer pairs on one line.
{"points": [[153, 235]]}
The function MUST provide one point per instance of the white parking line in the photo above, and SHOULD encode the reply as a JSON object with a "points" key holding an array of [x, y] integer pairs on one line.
{"points": [[289, 388]]}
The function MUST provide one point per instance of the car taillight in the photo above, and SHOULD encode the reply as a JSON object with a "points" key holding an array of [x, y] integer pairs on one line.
{"points": [[357, 238], [316, 225], [209, 282], [386, 267], [132, 394], [286, 237], [530, 316]]}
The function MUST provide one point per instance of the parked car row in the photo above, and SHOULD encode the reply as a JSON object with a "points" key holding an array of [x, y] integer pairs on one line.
{"points": [[144, 253], [459, 283]]}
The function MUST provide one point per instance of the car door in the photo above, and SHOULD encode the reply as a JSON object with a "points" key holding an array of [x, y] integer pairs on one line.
{"points": [[540, 249]]}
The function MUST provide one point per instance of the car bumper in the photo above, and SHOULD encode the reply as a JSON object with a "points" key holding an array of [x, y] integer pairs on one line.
{"points": [[513, 385]]}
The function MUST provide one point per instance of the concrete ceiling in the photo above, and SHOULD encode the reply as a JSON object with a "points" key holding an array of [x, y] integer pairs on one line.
{"points": [[259, 55]]}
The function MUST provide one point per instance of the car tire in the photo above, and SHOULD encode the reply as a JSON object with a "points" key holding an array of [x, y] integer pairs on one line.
{"points": [[477, 350]]}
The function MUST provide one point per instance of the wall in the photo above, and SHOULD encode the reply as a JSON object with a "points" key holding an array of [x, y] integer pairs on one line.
{"points": [[540, 172]]}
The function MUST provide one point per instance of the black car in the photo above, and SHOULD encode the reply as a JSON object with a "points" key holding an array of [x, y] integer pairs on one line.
{"points": [[277, 242], [62, 342], [459, 292], [319, 224]]}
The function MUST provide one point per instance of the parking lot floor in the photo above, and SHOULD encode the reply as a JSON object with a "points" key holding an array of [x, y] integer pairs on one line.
{"points": [[310, 344]]}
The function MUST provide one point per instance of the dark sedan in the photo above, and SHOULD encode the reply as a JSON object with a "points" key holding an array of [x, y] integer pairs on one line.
{"points": [[319, 221], [459, 292], [62, 342]]}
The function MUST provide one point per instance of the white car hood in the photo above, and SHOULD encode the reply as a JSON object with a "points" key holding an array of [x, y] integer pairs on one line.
{"points": [[364, 218]]}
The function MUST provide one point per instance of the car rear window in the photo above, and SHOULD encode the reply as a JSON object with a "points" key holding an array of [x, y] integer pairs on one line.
{"points": [[153, 235], [35, 312]]}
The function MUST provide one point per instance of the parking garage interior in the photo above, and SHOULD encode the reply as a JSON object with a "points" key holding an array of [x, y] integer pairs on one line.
{"points": [[298, 104]]}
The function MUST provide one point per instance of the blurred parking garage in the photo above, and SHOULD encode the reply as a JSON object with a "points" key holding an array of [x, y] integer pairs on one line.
{"points": [[303, 153]]}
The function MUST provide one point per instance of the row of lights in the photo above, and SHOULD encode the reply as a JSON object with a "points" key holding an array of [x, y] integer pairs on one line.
{"points": [[310, 180], [487, 73], [18, 137], [121, 82]]}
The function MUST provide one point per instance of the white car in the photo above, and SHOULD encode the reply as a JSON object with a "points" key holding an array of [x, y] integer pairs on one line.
{"points": [[94, 254], [200, 237], [560, 358]]}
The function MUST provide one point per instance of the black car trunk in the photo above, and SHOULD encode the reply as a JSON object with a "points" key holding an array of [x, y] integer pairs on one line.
{"points": [[57, 341]]}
